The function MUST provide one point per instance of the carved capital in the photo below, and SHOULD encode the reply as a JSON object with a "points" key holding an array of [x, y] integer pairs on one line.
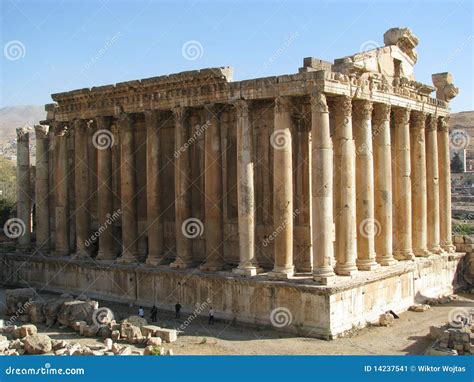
{"points": [[381, 113], [151, 119], [241, 108], [103, 123], [362, 109], [22, 134], [443, 124], [179, 113], [431, 123], [41, 131], [401, 115], [125, 121], [80, 126], [61, 129], [417, 120], [319, 103], [282, 104], [343, 106]]}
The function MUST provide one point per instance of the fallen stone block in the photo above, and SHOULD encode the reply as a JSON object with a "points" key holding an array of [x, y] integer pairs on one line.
{"points": [[154, 341], [419, 308], [37, 344], [18, 300], [386, 319], [27, 330]]}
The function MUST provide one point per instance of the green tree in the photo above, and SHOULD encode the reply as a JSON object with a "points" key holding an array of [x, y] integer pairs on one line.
{"points": [[456, 164]]}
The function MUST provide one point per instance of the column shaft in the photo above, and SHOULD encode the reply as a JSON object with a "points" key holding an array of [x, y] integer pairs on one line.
{"points": [[432, 177], [23, 191], [245, 192], [367, 226], [213, 193], [154, 226], [282, 190], [81, 186], [128, 190], [104, 189], [418, 183], [444, 185], [182, 184], [345, 193], [383, 184], [402, 193], [322, 191], [62, 192], [42, 189]]}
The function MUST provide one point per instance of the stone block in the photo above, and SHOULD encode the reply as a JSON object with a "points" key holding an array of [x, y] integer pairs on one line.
{"points": [[154, 341], [149, 330], [27, 330], [37, 344], [169, 335], [386, 319]]}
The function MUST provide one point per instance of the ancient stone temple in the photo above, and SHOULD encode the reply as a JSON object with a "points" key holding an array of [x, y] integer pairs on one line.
{"points": [[323, 193]]}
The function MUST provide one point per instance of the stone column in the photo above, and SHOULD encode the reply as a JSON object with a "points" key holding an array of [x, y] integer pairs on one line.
{"points": [[245, 192], [367, 226], [345, 193], [104, 188], [42, 189], [22, 228], [444, 185], [432, 179], [282, 190], [128, 189], [81, 185], [62, 193], [383, 184], [154, 226], [182, 185], [418, 182], [402, 192], [213, 193], [322, 190]]}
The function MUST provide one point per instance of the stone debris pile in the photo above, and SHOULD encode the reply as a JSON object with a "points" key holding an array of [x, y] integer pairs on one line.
{"points": [[84, 316]]}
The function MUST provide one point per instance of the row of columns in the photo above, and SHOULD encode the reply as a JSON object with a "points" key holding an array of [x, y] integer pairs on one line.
{"points": [[356, 172]]}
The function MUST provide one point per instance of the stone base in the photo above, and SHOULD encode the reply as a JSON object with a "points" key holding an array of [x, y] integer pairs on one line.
{"points": [[279, 273], [247, 271], [421, 253], [181, 264], [386, 262], [106, 257], [155, 261], [404, 255], [211, 267], [367, 265], [323, 311], [127, 259]]}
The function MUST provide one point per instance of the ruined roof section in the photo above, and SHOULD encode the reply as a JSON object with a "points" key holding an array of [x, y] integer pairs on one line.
{"points": [[208, 75]]}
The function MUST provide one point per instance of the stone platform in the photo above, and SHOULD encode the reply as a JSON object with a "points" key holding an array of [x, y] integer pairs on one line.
{"points": [[297, 305]]}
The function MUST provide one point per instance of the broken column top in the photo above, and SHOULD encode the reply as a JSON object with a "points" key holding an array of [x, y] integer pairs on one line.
{"points": [[445, 89], [404, 39]]}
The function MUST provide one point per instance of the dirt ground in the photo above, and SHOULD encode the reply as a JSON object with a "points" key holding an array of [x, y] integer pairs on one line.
{"points": [[408, 335]]}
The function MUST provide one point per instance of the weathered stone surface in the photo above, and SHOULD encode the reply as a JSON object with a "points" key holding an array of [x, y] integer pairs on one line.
{"points": [[135, 320], [419, 308], [27, 330], [167, 335], [386, 319], [58, 344], [35, 311], [90, 330], [104, 331], [37, 344], [153, 341], [108, 343], [18, 300], [149, 330], [76, 310], [115, 335]]}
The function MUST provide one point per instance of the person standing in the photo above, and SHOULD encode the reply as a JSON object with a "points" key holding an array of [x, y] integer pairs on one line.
{"points": [[211, 316], [141, 312], [154, 313], [177, 309]]}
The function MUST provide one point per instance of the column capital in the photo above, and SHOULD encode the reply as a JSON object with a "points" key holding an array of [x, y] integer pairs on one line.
{"points": [[242, 108], [431, 122], [343, 106], [60, 129], [318, 102], [381, 112], [103, 122], [80, 124], [126, 121], [362, 109], [282, 104], [443, 124], [22, 134], [401, 115], [151, 118], [179, 113], [417, 119], [41, 131]]}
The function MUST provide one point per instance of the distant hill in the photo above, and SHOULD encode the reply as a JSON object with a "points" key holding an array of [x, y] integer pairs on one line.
{"points": [[12, 117]]}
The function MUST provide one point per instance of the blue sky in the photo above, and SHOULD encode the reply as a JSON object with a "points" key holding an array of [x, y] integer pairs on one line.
{"points": [[51, 46]]}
